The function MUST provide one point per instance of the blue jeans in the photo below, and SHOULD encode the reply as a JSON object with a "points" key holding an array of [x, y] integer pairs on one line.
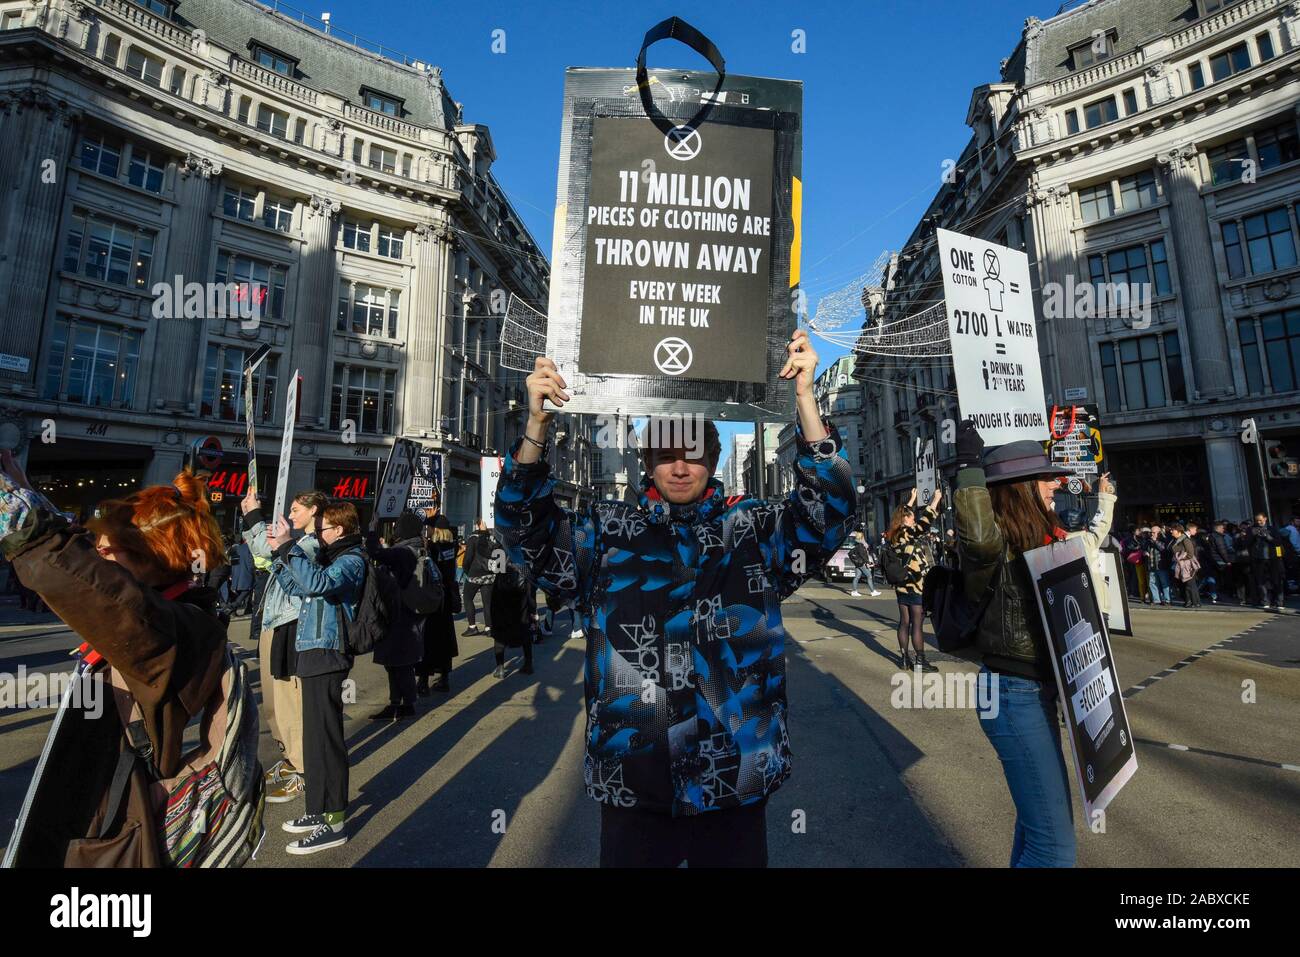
{"points": [[858, 574], [1161, 587], [1027, 739]]}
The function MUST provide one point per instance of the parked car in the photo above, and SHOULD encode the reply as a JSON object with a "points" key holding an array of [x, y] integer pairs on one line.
{"points": [[839, 568]]}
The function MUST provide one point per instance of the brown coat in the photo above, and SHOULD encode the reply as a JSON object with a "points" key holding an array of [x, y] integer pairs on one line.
{"points": [[168, 654]]}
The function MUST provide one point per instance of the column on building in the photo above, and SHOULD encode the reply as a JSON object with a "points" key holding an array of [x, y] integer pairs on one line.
{"points": [[1225, 458], [886, 428], [1197, 275], [426, 327], [165, 465], [446, 332], [314, 317], [1063, 342], [41, 131], [176, 340]]}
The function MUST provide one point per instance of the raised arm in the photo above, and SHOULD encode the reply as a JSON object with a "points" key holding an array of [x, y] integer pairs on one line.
{"points": [[1100, 525], [980, 541], [554, 545], [814, 519], [254, 526], [155, 644]]}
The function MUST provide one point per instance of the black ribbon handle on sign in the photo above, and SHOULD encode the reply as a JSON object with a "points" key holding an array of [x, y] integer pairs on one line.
{"points": [[674, 28]]}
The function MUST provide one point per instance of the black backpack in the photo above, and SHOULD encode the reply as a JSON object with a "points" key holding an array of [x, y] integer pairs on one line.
{"points": [[955, 618], [891, 563], [423, 594], [376, 611]]}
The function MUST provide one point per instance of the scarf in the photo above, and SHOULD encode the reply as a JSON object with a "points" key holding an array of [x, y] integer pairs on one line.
{"points": [[328, 553]]}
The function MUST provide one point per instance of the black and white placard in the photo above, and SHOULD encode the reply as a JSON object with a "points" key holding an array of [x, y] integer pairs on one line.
{"points": [[1101, 741], [990, 309]]}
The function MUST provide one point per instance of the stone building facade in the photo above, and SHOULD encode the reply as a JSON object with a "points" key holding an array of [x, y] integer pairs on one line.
{"points": [[219, 141], [1149, 144]]}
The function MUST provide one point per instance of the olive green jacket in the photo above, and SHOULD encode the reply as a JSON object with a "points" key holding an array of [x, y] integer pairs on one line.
{"points": [[1010, 635]]}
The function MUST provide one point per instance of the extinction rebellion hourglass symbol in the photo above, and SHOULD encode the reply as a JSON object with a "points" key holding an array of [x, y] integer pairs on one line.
{"points": [[673, 356], [683, 143]]}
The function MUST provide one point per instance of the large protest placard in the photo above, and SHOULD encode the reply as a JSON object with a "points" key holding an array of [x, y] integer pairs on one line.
{"points": [[426, 486], [490, 467], [927, 472], [1074, 443], [678, 259], [286, 445], [1101, 741], [1118, 620], [990, 308], [250, 370], [399, 473], [675, 247]]}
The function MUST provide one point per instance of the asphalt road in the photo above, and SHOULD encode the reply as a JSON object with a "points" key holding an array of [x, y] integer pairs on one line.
{"points": [[491, 774]]}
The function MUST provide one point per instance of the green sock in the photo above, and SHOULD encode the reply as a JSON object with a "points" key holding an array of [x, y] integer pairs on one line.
{"points": [[333, 818]]}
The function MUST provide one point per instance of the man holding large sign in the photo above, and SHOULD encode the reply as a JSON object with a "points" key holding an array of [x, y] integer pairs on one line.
{"points": [[990, 306], [679, 593]]}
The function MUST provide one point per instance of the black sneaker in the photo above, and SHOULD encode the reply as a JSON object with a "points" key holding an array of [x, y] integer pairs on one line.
{"points": [[388, 714], [305, 824], [473, 630], [322, 838], [526, 670], [443, 683], [499, 671], [405, 711]]}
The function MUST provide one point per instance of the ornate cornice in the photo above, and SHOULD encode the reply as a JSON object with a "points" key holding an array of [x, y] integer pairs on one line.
{"points": [[38, 98]]}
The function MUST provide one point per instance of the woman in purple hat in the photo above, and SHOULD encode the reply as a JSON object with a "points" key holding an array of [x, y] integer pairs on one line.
{"points": [[1004, 508]]}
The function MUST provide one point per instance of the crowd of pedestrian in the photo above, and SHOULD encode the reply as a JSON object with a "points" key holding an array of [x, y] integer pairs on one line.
{"points": [[1249, 562]]}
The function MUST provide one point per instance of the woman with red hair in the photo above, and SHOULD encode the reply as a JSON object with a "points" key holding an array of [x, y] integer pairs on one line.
{"points": [[128, 585]]}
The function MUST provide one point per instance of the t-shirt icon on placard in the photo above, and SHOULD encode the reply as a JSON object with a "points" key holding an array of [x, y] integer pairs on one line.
{"points": [[992, 284]]}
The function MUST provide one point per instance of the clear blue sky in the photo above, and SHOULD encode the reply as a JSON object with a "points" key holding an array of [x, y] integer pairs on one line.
{"points": [[886, 87]]}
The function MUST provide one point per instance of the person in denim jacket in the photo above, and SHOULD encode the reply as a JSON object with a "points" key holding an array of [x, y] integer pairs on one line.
{"points": [[329, 587], [277, 658]]}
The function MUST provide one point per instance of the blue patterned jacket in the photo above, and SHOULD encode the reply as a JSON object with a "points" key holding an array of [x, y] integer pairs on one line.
{"points": [[681, 605]]}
